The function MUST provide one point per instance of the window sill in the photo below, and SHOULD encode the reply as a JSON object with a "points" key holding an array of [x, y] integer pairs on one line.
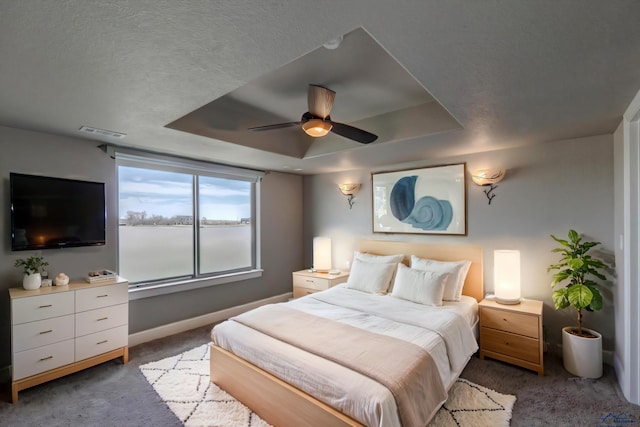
{"points": [[146, 291]]}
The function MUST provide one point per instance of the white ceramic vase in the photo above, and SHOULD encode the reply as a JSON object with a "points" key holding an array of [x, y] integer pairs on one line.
{"points": [[582, 356], [31, 281]]}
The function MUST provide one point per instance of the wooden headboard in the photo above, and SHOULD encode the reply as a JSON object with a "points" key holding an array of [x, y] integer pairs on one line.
{"points": [[474, 283]]}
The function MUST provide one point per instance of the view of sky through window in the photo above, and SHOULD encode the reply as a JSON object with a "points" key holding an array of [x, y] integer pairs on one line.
{"points": [[170, 194]]}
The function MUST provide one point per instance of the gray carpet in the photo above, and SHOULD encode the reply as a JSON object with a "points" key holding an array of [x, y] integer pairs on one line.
{"points": [[113, 394]]}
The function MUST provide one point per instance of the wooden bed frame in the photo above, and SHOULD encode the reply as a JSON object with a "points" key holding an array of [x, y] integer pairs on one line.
{"points": [[283, 405]]}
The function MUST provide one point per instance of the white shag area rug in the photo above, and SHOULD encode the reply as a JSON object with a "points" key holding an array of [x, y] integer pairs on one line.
{"points": [[182, 381]]}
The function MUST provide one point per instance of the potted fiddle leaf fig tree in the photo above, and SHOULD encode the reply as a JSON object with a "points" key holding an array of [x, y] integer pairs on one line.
{"points": [[581, 347], [32, 268]]}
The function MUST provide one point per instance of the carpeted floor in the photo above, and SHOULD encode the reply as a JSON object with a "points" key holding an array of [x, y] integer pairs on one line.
{"points": [[113, 394]]}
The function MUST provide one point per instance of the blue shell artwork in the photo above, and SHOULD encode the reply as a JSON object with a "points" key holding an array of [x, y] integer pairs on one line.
{"points": [[428, 213]]}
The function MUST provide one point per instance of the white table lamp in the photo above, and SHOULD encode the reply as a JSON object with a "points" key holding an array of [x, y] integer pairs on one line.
{"points": [[506, 273]]}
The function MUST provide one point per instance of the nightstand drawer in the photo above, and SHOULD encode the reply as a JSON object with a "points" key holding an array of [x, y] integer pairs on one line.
{"points": [[509, 321], [517, 346], [310, 282], [300, 292]]}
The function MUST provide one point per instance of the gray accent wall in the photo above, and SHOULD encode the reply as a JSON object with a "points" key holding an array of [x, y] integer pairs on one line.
{"points": [[548, 189], [45, 154]]}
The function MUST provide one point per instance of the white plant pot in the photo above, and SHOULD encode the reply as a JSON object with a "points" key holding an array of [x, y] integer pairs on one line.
{"points": [[31, 281], [582, 356]]}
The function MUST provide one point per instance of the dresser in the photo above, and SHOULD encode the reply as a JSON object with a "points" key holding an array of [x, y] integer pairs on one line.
{"points": [[512, 333], [306, 282], [56, 331]]}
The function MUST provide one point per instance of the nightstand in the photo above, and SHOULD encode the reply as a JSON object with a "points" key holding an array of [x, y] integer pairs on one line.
{"points": [[512, 333], [306, 282]]}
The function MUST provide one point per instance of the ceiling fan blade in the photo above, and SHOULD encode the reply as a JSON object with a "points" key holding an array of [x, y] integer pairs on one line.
{"points": [[275, 126], [320, 100], [358, 135]]}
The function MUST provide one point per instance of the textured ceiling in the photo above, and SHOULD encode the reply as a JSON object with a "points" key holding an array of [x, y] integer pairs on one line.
{"points": [[505, 73]]}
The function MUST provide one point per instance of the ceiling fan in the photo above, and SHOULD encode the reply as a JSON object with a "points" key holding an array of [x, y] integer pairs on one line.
{"points": [[316, 122]]}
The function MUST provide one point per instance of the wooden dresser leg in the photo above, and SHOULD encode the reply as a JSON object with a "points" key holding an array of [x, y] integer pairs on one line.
{"points": [[14, 392], [125, 355]]}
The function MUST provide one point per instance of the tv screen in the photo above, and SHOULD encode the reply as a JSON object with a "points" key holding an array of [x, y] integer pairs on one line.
{"points": [[56, 213]]}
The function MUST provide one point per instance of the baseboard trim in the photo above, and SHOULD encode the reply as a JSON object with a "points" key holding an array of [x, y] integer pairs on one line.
{"points": [[196, 322]]}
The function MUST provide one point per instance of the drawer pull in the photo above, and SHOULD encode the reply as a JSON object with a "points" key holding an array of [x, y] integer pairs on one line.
{"points": [[46, 306], [46, 332], [102, 342], [310, 281], [46, 358], [102, 296], [102, 318]]}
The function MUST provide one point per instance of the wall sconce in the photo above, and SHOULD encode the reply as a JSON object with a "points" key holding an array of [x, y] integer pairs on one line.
{"points": [[506, 276], [349, 190], [490, 177], [321, 254]]}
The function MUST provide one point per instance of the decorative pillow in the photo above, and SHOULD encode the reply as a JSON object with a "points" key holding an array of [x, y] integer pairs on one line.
{"points": [[386, 259], [423, 287], [370, 277], [457, 269]]}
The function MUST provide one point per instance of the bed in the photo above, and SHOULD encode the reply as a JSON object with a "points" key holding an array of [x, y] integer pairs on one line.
{"points": [[275, 374]]}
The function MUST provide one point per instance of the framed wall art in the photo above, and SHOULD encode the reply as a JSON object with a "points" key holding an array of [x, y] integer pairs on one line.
{"points": [[429, 200]]}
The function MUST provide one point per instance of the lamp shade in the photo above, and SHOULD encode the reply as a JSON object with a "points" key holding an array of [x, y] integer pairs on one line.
{"points": [[322, 253], [506, 274]]}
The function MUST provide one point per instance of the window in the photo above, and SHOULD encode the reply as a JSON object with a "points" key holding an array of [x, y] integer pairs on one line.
{"points": [[183, 221]]}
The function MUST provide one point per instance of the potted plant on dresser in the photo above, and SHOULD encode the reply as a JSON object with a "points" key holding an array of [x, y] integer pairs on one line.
{"points": [[32, 267], [581, 347]]}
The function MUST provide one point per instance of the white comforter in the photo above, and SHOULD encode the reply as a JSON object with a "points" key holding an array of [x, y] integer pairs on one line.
{"points": [[442, 331]]}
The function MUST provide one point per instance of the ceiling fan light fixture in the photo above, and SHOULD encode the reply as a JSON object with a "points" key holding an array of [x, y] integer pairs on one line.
{"points": [[316, 127]]}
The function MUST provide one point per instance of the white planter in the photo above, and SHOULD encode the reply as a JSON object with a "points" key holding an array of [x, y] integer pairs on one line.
{"points": [[31, 281], [582, 356]]}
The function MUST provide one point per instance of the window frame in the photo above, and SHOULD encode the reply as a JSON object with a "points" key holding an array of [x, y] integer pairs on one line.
{"points": [[143, 160]]}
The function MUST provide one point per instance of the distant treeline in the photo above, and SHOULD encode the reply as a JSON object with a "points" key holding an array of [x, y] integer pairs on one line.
{"points": [[142, 218]]}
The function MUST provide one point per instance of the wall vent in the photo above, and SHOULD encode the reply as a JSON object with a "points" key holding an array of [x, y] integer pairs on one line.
{"points": [[103, 132]]}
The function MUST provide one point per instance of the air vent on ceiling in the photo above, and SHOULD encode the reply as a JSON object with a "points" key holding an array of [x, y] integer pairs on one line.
{"points": [[103, 132]]}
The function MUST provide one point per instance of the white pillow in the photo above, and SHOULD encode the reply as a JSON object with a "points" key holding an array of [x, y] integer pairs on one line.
{"points": [[457, 269], [423, 287], [386, 259], [370, 277]]}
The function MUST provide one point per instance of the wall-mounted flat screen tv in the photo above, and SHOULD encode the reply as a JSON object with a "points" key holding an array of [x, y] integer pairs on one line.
{"points": [[51, 212]]}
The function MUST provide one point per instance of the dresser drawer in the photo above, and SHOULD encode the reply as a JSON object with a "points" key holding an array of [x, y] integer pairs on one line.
{"points": [[37, 360], [42, 332], [101, 296], [517, 346], [100, 319], [518, 323], [310, 282], [41, 307], [101, 342]]}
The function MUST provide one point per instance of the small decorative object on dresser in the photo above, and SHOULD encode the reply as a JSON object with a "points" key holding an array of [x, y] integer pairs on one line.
{"points": [[61, 279], [306, 282], [512, 333], [100, 276], [32, 268]]}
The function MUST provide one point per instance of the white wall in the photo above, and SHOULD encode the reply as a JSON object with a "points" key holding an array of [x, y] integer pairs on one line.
{"points": [[549, 188]]}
